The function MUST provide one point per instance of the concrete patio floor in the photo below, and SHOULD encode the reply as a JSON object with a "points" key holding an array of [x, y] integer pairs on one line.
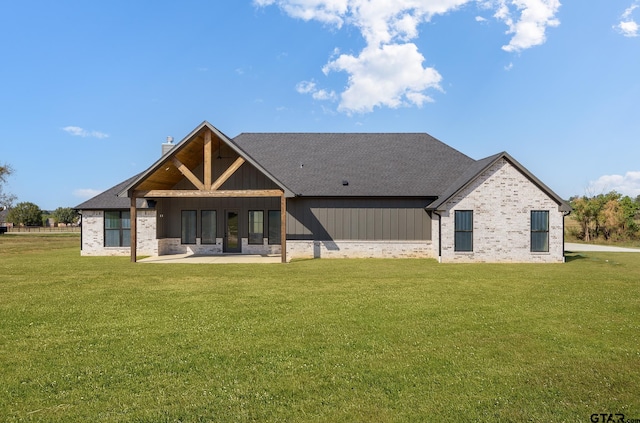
{"points": [[218, 259]]}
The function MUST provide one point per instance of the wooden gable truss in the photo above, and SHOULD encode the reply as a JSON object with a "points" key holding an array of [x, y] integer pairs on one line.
{"points": [[194, 151]]}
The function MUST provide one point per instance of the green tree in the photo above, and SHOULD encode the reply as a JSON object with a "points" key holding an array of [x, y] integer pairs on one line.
{"points": [[6, 200], [584, 213], [609, 215], [25, 213], [65, 215], [630, 210]]}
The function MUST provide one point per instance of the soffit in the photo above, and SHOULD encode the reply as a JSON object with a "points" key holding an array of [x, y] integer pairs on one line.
{"points": [[166, 174]]}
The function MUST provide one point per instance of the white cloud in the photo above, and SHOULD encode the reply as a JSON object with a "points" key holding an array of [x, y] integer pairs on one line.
{"points": [[306, 87], [309, 87], [530, 25], [628, 11], [86, 192], [80, 132], [628, 28], [627, 184], [324, 95], [390, 75], [389, 71], [627, 25], [326, 11]]}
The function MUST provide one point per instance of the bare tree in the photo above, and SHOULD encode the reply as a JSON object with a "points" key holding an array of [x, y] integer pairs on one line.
{"points": [[6, 200]]}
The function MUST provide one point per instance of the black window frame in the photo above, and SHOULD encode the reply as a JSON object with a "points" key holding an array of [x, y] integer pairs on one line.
{"points": [[253, 240], [124, 233], [463, 231], [183, 237], [539, 233], [276, 240], [203, 227]]}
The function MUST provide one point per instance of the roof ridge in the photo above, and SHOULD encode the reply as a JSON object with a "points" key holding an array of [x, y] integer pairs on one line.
{"points": [[331, 133]]}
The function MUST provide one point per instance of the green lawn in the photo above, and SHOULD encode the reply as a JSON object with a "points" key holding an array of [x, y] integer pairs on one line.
{"points": [[104, 340]]}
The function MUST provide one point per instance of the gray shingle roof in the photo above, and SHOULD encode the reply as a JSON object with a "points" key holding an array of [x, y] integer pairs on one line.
{"points": [[318, 164], [343, 164], [109, 199]]}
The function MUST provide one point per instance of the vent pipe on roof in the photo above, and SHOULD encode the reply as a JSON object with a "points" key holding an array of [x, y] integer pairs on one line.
{"points": [[167, 146]]}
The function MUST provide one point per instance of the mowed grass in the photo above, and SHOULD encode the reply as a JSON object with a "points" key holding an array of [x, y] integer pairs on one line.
{"points": [[105, 340]]}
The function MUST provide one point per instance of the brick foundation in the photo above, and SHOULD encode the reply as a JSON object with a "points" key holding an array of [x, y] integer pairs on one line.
{"points": [[359, 249]]}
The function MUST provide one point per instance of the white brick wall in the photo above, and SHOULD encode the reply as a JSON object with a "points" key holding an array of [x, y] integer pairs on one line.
{"points": [[174, 246], [146, 237], [93, 235], [359, 249], [502, 199], [264, 248]]}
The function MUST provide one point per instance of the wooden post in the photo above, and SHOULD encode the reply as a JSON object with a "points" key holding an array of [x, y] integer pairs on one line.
{"points": [[134, 230], [283, 227], [207, 160]]}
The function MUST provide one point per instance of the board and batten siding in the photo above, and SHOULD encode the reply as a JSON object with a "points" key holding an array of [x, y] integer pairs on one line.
{"points": [[170, 212], [365, 219], [247, 177]]}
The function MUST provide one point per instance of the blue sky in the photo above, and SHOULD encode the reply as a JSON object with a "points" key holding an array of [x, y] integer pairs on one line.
{"points": [[90, 90]]}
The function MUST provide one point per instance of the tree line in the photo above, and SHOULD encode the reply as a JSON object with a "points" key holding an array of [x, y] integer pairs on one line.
{"points": [[611, 216], [29, 214]]}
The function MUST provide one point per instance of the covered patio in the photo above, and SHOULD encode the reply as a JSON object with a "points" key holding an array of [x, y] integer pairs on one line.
{"points": [[205, 165]]}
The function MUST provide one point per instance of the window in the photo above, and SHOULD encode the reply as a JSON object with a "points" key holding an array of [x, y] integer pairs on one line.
{"points": [[539, 231], [274, 226], [209, 233], [189, 218], [256, 226], [463, 230], [117, 229]]}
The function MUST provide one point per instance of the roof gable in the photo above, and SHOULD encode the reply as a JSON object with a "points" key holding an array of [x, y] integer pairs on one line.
{"points": [[474, 171], [186, 157]]}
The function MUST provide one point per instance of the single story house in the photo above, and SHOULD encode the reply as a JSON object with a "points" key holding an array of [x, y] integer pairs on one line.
{"points": [[311, 195]]}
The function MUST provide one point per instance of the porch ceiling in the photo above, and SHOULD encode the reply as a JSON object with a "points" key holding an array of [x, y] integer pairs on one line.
{"points": [[191, 155]]}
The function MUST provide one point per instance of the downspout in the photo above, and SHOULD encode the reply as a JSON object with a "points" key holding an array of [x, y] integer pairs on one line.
{"points": [[564, 214], [440, 236], [81, 230]]}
